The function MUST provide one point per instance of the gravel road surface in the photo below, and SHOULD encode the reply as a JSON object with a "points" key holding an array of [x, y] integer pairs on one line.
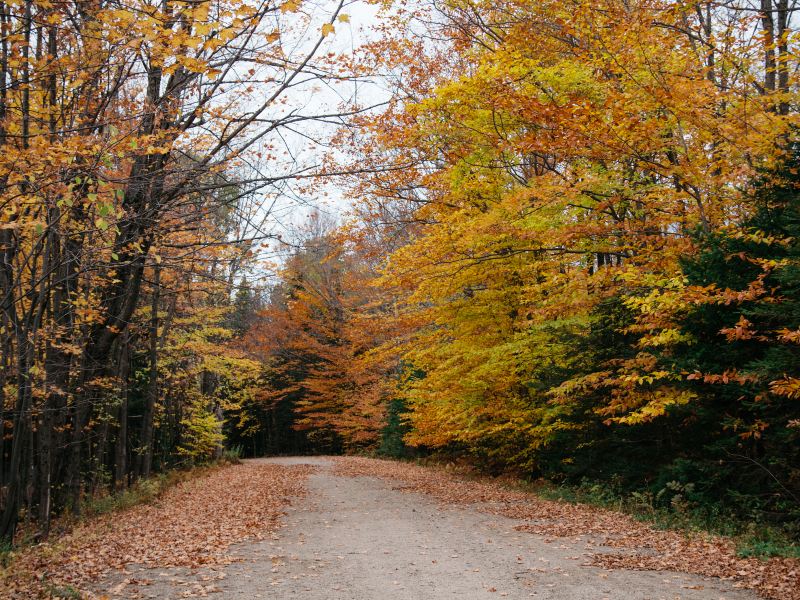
{"points": [[360, 539]]}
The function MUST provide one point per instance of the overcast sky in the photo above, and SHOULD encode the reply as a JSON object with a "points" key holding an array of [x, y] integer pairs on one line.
{"points": [[291, 204]]}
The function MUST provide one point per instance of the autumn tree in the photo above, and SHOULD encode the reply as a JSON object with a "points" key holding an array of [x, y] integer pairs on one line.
{"points": [[551, 171], [134, 141], [322, 320]]}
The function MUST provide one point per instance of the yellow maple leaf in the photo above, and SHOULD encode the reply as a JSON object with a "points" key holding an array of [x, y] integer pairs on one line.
{"points": [[290, 6]]}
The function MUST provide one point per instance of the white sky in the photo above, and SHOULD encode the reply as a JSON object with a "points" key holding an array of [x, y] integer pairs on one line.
{"points": [[307, 144]]}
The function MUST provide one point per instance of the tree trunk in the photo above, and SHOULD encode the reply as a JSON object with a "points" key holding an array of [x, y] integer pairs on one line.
{"points": [[121, 448], [19, 446], [152, 392], [768, 27]]}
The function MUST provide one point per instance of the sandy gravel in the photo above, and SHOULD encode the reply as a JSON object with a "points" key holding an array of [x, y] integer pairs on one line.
{"points": [[359, 539]]}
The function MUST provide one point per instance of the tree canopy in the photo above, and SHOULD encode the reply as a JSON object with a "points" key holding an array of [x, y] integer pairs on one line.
{"points": [[572, 247]]}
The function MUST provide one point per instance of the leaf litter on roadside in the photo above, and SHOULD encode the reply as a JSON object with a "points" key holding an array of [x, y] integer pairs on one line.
{"points": [[192, 525], [647, 548]]}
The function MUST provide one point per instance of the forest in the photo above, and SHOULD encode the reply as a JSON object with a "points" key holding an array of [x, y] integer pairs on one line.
{"points": [[564, 244]]}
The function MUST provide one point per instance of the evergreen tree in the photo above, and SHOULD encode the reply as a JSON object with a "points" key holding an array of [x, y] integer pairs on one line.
{"points": [[244, 309], [745, 354]]}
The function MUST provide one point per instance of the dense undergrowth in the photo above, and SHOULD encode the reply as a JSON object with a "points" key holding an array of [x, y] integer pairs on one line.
{"points": [[672, 507]]}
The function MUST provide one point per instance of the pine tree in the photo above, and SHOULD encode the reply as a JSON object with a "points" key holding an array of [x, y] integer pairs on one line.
{"points": [[743, 355]]}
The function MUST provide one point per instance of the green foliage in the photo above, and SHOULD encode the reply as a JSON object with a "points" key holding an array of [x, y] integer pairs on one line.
{"points": [[202, 436], [673, 507], [63, 592], [6, 552], [232, 454], [731, 454], [392, 444], [745, 432], [765, 548], [244, 310], [141, 492]]}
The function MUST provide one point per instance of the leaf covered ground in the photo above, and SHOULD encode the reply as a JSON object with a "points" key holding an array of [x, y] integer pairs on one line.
{"points": [[635, 545], [191, 525]]}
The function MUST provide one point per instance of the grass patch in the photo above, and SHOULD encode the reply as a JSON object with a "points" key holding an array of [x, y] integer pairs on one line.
{"points": [[233, 455], [66, 592], [6, 550], [767, 548], [145, 491], [753, 538]]}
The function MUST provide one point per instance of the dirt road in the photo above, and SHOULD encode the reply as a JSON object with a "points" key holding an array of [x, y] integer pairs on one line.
{"points": [[357, 538]]}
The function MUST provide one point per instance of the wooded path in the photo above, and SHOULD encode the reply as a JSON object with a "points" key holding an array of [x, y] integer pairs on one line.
{"points": [[355, 537]]}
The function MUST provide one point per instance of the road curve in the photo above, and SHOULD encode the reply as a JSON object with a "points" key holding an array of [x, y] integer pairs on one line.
{"points": [[357, 538]]}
